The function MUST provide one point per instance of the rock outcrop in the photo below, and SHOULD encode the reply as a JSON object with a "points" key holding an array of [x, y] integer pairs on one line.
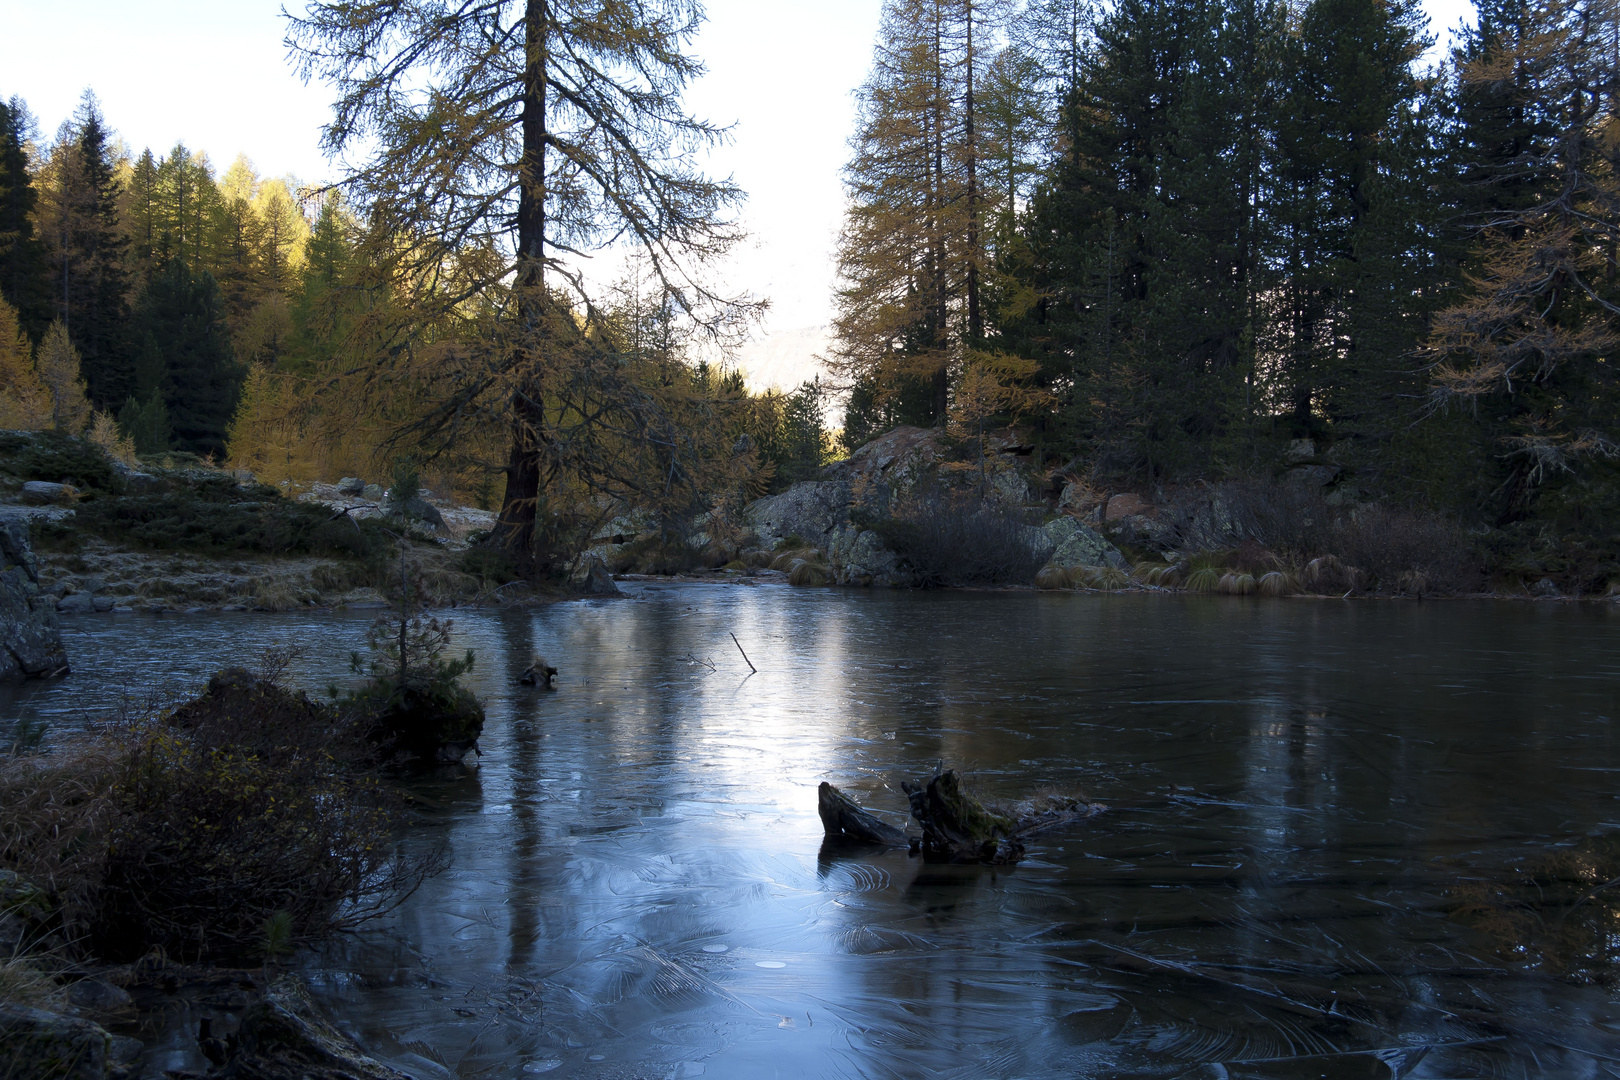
{"points": [[30, 639], [810, 510], [283, 1037], [44, 1045]]}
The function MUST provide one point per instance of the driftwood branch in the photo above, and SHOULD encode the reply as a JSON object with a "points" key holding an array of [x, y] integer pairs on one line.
{"points": [[747, 661]]}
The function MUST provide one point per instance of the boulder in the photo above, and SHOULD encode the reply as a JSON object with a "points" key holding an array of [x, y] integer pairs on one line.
{"points": [[282, 1037], [1074, 544], [351, 485], [1311, 476], [592, 578], [372, 493], [30, 637], [417, 508], [43, 1045], [1126, 505], [810, 510], [94, 995], [1300, 450], [80, 603], [894, 463], [45, 493], [858, 556]]}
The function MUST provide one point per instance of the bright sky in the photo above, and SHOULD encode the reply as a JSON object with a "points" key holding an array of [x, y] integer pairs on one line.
{"points": [[213, 73]]}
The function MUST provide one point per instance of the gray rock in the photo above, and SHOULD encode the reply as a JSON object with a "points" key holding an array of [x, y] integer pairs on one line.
{"points": [[1074, 544], [104, 603], [859, 557], [79, 603], [372, 493], [1545, 589], [810, 510], [1311, 476], [100, 997], [351, 485], [418, 509], [45, 493], [591, 577], [30, 637], [282, 1037], [43, 1045]]}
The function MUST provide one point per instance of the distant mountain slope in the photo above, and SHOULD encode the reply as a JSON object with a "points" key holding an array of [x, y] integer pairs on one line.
{"points": [[784, 358]]}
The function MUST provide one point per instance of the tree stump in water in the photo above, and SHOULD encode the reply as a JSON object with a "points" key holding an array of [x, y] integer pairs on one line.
{"points": [[957, 828], [845, 821]]}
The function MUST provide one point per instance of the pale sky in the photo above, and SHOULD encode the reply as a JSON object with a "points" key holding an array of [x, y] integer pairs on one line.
{"points": [[213, 73]]}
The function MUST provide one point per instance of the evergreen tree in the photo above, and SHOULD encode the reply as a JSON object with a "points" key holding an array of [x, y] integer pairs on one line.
{"points": [[146, 424], [184, 321], [143, 219], [95, 302], [1348, 84], [22, 255]]}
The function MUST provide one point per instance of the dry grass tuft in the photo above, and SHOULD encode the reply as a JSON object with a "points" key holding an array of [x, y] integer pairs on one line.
{"points": [[1053, 577], [1236, 583], [1278, 583], [806, 573]]}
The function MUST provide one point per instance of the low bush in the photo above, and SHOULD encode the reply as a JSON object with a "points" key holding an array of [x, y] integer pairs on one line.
{"points": [[59, 458], [489, 565], [217, 518], [192, 830], [413, 705], [945, 542]]}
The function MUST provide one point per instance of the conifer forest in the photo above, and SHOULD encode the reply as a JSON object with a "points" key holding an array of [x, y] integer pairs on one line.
{"points": [[1169, 239]]}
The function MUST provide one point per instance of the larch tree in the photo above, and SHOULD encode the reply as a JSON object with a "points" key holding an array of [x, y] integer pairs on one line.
{"points": [[501, 142], [25, 403], [1531, 344], [57, 365], [911, 255]]}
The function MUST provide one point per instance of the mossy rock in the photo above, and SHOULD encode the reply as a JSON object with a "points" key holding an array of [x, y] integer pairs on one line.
{"points": [[43, 1045], [282, 1037]]}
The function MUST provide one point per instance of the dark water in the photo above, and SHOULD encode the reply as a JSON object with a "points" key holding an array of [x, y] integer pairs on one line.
{"points": [[1298, 788]]}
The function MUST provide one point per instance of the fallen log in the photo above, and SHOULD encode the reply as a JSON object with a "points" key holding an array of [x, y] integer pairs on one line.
{"points": [[845, 821]]}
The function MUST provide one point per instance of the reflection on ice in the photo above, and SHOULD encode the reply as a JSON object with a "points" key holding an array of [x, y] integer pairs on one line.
{"points": [[638, 886]]}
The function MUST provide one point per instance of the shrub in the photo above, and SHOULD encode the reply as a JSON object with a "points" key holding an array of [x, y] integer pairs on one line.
{"points": [[946, 542], [414, 706], [217, 516], [489, 565], [61, 458], [189, 831]]}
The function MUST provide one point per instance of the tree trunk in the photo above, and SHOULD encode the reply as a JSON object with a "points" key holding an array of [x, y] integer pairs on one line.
{"points": [[514, 531], [844, 821], [969, 138]]}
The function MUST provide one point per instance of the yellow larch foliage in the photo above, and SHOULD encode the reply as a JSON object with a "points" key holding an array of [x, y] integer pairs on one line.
{"points": [[57, 365], [25, 404]]}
